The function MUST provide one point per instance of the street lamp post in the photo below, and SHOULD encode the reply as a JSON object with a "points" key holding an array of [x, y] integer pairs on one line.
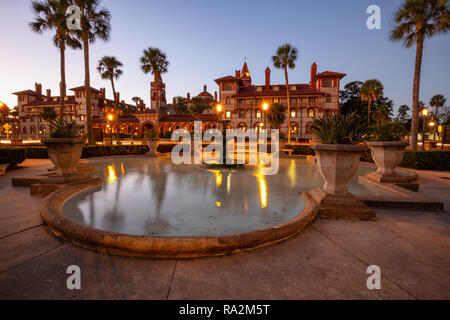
{"points": [[265, 108], [425, 118]]}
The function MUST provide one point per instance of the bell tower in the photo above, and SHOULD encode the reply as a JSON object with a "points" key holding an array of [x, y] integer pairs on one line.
{"points": [[157, 92]]}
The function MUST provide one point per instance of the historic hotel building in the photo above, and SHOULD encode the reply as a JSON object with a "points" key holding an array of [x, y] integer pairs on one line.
{"points": [[32, 103], [243, 101]]}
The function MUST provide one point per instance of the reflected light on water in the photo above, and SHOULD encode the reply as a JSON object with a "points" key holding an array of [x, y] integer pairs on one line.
{"points": [[218, 204], [111, 174], [218, 177], [122, 168], [229, 183], [292, 173], [262, 188]]}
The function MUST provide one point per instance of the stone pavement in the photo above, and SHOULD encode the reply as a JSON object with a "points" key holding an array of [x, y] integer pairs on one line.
{"points": [[328, 260]]}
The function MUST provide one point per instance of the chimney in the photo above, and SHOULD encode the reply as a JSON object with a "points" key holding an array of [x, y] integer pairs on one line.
{"points": [[215, 95], [49, 93], [313, 74], [38, 89], [205, 88], [267, 87], [188, 96], [238, 74]]}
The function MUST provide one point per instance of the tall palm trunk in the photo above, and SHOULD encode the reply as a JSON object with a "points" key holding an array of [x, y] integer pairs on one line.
{"points": [[87, 84], [289, 104], [62, 89], [116, 107], [158, 93], [416, 93]]}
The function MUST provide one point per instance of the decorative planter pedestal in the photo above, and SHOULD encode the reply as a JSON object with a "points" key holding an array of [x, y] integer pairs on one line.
{"points": [[387, 156], [3, 168], [337, 164], [152, 144], [65, 154]]}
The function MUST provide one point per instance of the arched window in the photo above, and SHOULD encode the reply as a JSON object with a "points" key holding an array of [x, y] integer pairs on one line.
{"points": [[311, 113]]}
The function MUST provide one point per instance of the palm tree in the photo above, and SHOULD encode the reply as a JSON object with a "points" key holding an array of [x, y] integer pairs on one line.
{"points": [[154, 61], [370, 91], [437, 101], [51, 15], [180, 106], [285, 58], [95, 24], [198, 107], [277, 115], [109, 69], [137, 100], [417, 20]]}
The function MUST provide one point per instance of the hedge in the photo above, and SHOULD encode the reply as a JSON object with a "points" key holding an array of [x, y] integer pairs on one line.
{"points": [[12, 156], [91, 151], [422, 160], [427, 160]]}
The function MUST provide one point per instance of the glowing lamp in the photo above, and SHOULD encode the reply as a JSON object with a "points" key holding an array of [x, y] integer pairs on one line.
{"points": [[265, 106], [425, 112], [219, 108]]}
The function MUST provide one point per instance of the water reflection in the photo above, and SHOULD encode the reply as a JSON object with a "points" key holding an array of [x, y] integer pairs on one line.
{"points": [[154, 196]]}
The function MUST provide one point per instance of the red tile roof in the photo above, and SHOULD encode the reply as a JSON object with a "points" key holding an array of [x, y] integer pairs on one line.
{"points": [[82, 88], [205, 94], [28, 92], [227, 78], [330, 74]]}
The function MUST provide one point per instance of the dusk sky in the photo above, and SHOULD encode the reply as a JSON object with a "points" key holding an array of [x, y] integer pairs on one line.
{"points": [[208, 39]]}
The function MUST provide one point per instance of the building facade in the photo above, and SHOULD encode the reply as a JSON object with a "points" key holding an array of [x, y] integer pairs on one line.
{"points": [[243, 102], [31, 104]]}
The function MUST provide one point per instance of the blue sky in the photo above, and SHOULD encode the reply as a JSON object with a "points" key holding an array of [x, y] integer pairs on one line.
{"points": [[208, 39]]}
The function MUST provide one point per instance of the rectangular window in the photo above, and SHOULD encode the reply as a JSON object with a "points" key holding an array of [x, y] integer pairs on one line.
{"points": [[327, 83], [293, 114], [228, 114], [227, 87], [258, 114], [276, 100]]}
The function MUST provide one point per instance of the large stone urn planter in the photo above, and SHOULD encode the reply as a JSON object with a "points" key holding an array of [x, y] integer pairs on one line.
{"points": [[387, 156], [152, 145], [65, 153], [337, 164]]}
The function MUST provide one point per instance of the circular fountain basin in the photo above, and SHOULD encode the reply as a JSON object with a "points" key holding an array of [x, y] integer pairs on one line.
{"points": [[154, 208]]}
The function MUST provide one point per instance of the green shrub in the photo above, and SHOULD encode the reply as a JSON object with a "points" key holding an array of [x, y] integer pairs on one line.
{"points": [[427, 160], [12, 156], [36, 152], [105, 151], [388, 131], [302, 150], [339, 129], [65, 129]]}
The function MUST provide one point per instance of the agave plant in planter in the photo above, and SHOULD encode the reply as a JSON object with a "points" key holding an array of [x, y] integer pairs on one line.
{"points": [[387, 150], [338, 157], [65, 146]]}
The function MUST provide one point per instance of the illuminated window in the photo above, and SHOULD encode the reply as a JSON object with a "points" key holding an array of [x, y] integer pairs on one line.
{"points": [[82, 118], [311, 113], [293, 114], [258, 114], [228, 100], [228, 114], [276, 100], [81, 107]]}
